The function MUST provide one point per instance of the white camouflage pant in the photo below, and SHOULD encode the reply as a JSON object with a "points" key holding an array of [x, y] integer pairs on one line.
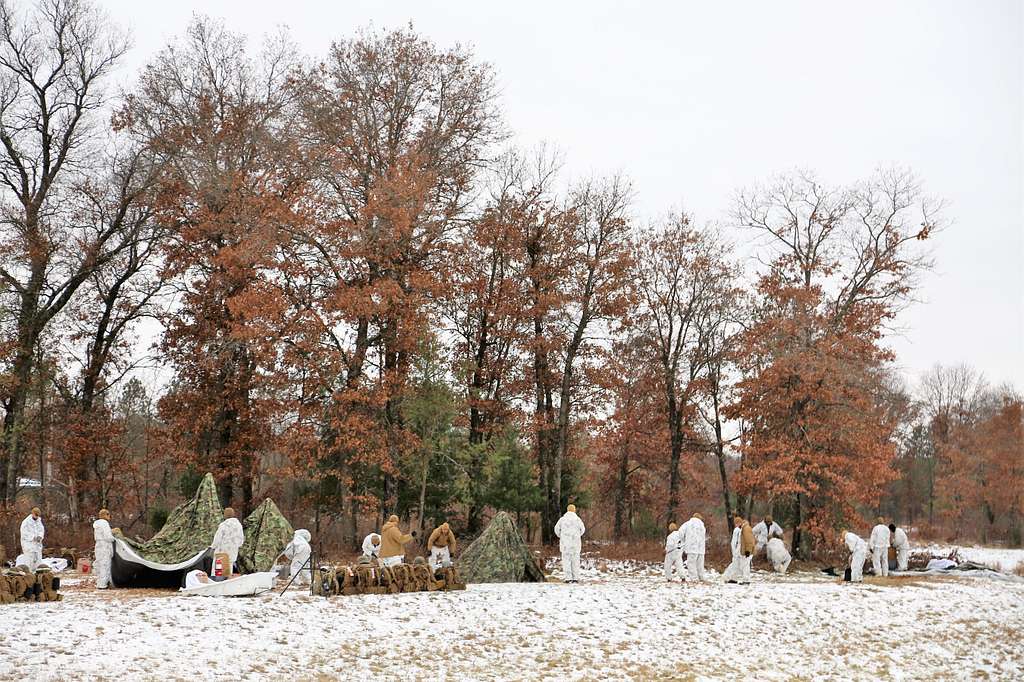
{"points": [[571, 564], [745, 562], [392, 560], [104, 556], [674, 560], [902, 558], [880, 560], [300, 568], [33, 554], [857, 566], [695, 567]]}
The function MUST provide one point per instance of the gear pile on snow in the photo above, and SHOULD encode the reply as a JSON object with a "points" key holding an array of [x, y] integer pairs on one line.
{"points": [[21, 585], [499, 555], [372, 578]]}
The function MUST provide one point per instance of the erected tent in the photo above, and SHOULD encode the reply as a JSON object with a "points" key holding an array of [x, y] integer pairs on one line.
{"points": [[182, 545], [267, 533], [499, 555]]}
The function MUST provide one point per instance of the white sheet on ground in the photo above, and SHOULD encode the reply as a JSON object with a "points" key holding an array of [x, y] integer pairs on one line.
{"points": [[54, 564], [242, 586]]}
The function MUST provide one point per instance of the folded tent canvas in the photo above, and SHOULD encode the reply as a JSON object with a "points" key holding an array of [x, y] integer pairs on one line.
{"points": [[182, 545], [499, 555]]}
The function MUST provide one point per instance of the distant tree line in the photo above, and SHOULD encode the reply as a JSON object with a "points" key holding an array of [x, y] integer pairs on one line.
{"points": [[366, 302]]}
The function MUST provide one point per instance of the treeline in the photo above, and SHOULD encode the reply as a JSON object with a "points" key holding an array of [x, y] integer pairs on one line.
{"points": [[367, 303]]}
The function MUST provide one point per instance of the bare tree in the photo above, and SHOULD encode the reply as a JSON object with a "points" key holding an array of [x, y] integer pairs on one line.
{"points": [[844, 258], [54, 60], [951, 397], [577, 278], [686, 288]]}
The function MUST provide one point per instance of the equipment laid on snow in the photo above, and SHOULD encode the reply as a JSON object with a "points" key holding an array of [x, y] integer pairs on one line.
{"points": [[70, 554], [499, 555], [18, 585], [239, 586], [370, 577]]}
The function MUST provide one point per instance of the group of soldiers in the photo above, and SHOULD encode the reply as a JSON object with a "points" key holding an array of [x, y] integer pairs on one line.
{"points": [[33, 531], [766, 536], [690, 540], [882, 537], [388, 546]]}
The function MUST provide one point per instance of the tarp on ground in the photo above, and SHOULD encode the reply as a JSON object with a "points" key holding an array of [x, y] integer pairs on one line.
{"points": [[182, 545], [499, 555], [267, 533]]}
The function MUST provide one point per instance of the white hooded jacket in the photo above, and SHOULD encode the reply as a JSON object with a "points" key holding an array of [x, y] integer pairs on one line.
{"points": [[854, 543], [777, 552], [298, 550], [299, 546], [694, 536], [570, 530], [30, 530], [762, 532], [229, 538], [674, 541], [103, 535], [734, 544], [900, 540], [880, 537], [370, 549]]}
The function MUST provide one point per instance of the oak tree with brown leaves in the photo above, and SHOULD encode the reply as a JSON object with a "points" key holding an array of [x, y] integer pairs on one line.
{"points": [[818, 436]]}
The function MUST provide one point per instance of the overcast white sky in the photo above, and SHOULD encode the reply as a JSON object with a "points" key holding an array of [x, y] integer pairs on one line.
{"points": [[693, 100]]}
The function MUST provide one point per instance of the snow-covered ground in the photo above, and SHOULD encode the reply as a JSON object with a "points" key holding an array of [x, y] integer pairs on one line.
{"points": [[622, 622]]}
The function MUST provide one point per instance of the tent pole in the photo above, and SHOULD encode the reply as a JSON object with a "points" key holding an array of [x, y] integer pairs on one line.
{"points": [[306, 563]]}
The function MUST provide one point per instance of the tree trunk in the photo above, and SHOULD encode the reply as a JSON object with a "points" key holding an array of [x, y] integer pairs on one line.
{"points": [[620, 495], [13, 433], [246, 483], [353, 530], [423, 492], [931, 493], [722, 473], [675, 457], [474, 514], [798, 552]]}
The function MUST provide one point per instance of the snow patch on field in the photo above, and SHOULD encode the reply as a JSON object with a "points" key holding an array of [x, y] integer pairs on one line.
{"points": [[1001, 559], [619, 624]]}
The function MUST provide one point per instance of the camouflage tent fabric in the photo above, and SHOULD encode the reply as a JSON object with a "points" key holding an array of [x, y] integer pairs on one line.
{"points": [[267, 532], [499, 555], [189, 528]]}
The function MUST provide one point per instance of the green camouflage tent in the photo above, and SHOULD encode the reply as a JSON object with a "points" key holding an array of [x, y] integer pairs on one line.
{"points": [[499, 555], [181, 545], [267, 533], [189, 528]]}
